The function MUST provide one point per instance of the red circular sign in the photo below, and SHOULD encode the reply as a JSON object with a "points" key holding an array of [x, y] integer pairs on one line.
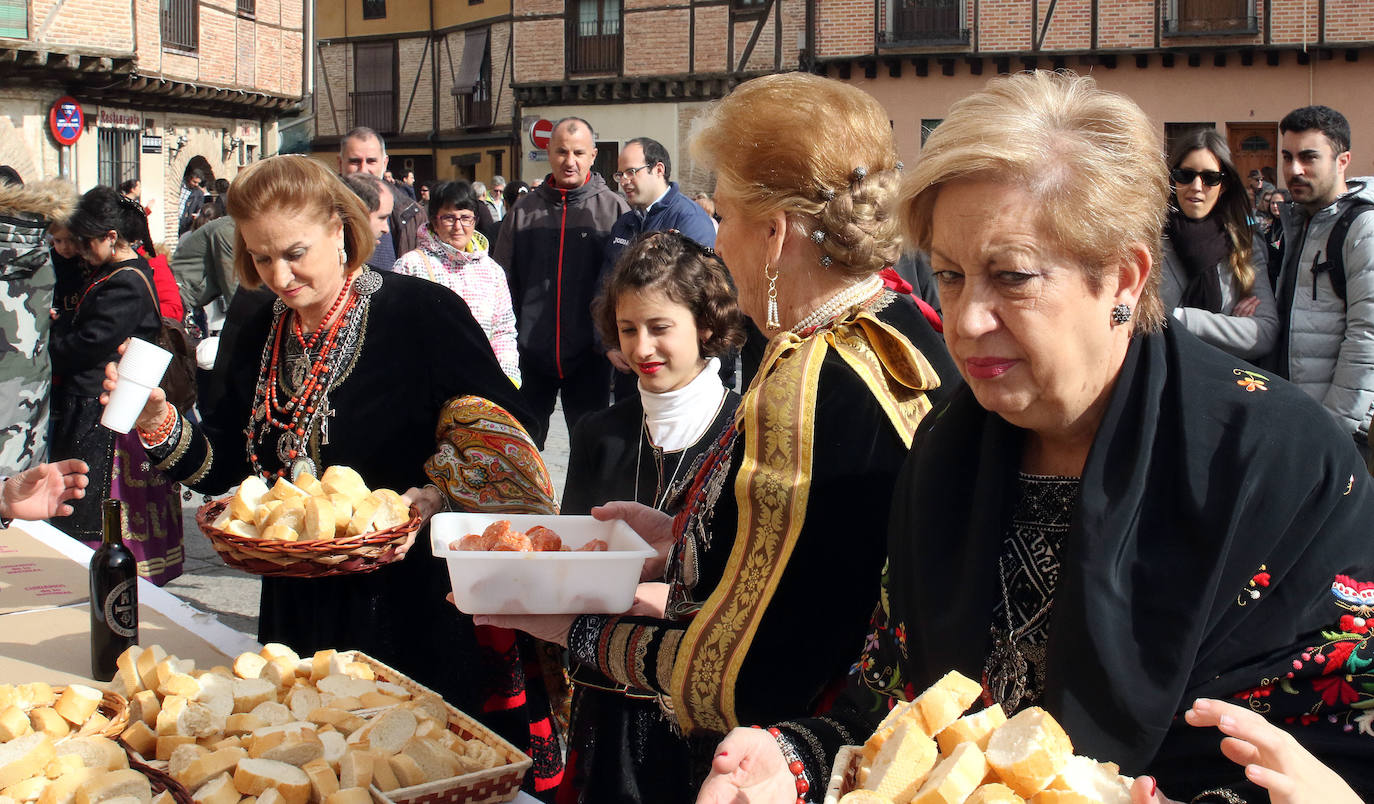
{"points": [[540, 133], [66, 120]]}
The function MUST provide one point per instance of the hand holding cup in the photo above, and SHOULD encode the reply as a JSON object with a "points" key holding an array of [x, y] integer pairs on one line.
{"points": [[129, 399]]}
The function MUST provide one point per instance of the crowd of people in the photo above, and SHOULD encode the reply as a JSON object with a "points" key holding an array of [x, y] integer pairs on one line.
{"points": [[1104, 449]]}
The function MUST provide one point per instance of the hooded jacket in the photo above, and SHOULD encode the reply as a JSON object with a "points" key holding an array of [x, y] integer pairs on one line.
{"points": [[553, 245], [478, 280], [1326, 346], [26, 294]]}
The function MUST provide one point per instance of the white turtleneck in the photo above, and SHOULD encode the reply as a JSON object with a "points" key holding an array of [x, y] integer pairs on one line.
{"points": [[676, 419]]}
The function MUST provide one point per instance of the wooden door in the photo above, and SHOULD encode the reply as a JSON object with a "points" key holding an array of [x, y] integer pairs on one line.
{"points": [[1254, 146]]}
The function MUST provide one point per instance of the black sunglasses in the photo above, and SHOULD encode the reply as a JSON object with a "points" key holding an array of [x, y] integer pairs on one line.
{"points": [[1211, 178]]}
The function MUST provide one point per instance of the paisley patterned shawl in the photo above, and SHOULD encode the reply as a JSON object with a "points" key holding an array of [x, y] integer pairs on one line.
{"points": [[487, 462], [777, 417]]}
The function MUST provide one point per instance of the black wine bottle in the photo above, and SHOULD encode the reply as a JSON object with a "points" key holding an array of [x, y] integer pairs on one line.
{"points": [[114, 596]]}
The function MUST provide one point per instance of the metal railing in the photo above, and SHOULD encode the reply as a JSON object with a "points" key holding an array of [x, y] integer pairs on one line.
{"points": [[925, 22], [180, 26], [475, 111], [376, 110], [248, 8], [1208, 26], [594, 47]]}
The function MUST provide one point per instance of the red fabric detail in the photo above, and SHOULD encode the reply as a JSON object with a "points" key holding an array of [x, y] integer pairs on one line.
{"points": [[1334, 689], [1262, 579], [894, 281], [567, 791], [168, 293], [1335, 658]]}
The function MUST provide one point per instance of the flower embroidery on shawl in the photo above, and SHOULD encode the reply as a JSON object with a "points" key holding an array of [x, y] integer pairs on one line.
{"points": [[1340, 669], [1251, 381], [1252, 589]]}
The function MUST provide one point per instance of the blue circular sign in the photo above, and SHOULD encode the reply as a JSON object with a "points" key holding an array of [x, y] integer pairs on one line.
{"points": [[66, 120]]}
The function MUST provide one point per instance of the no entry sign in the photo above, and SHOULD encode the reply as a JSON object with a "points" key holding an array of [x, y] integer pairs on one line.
{"points": [[66, 120], [540, 133]]}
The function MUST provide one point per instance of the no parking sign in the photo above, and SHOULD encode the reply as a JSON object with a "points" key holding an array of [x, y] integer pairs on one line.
{"points": [[66, 120]]}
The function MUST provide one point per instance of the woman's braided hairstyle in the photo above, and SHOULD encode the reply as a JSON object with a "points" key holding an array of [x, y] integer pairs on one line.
{"points": [[830, 164]]}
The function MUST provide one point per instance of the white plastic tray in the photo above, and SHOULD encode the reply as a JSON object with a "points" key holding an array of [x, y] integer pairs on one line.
{"points": [[488, 582]]}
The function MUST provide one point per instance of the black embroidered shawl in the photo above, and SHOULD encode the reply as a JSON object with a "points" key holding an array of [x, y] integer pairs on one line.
{"points": [[1221, 547]]}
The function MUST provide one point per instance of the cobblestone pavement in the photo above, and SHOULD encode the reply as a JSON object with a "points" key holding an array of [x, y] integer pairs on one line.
{"points": [[232, 595]]}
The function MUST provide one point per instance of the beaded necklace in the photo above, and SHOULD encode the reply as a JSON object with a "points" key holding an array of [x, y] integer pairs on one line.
{"points": [[856, 293], [294, 415]]}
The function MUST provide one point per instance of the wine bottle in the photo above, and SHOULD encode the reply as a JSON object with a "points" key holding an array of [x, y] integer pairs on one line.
{"points": [[114, 595]]}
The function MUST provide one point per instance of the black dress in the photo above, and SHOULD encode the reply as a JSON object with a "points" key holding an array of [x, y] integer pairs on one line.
{"points": [[111, 305], [620, 736], [807, 633], [415, 347]]}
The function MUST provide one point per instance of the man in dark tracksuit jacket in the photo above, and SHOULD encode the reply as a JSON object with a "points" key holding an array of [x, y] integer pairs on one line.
{"points": [[656, 205], [553, 246]]}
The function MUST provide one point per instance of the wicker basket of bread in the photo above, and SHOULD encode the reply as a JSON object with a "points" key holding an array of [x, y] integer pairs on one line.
{"points": [[334, 728], [56, 746], [333, 525], [928, 751]]}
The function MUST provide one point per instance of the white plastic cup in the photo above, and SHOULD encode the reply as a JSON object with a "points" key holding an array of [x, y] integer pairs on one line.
{"points": [[140, 370], [126, 402], [144, 362]]}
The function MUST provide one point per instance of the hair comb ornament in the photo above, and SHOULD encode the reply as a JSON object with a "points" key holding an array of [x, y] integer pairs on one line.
{"points": [[858, 175]]}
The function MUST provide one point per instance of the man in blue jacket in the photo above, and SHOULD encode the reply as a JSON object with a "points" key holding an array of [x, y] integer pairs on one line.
{"points": [[643, 173]]}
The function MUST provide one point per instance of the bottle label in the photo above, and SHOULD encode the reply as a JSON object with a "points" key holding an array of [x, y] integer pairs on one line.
{"points": [[121, 612]]}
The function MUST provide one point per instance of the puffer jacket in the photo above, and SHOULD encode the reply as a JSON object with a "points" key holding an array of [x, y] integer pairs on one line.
{"points": [[1247, 337], [26, 271], [1326, 346], [553, 245]]}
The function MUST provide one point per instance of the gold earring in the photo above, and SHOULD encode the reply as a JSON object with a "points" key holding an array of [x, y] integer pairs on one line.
{"points": [[772, 297]]}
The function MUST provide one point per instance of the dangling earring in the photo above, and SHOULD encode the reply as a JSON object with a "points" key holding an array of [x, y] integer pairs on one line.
{"points": [[1121, 313], [343, 257], [772, 297]]}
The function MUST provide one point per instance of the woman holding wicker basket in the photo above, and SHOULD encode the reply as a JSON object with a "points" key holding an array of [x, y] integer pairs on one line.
{"points": [[348, 367]]}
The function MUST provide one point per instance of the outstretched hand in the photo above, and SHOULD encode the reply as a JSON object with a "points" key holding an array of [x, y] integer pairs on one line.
{"points": [[652, 525], [43, 491], [1272, 758], [748, 768]]}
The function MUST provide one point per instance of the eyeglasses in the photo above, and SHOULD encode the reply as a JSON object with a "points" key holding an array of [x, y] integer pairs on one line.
{"points": [[468, 221], [1211, 178], [620, 175]]}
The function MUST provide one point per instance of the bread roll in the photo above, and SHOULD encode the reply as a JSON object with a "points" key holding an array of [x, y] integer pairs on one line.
{"points": [[14, 723], [903, 763], [281, 531], [220, 790], [343, 480], [106, 786], [343, 512], [355, 769], [391, 730], [60, 766], [182, 757], [263, 513], [63, 789], [303, 700], [954, 777], [271, 713], [382, 774], [308, 483], [46, 720], [147, 662], [319, 519], [322, 780], [1083, 780], [25, 756], [294, 747], [247, 498], [291, 513], [95, 751], [393, 511], [285, 491], [254, 776], [205, 768], [245, 530], [30, 789], [140, 738], [363, 512], [1029, 751], [144, 706], [405, 769], [77, 703], [994, 794], [976, 728], [249, 692]]}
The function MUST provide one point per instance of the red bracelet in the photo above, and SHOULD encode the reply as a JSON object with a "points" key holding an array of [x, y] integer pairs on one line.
{"points": [[164, 429], [796, 766]]}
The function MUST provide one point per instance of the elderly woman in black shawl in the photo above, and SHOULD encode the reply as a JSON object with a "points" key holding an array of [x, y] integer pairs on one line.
{"points": [[1112, 520]]}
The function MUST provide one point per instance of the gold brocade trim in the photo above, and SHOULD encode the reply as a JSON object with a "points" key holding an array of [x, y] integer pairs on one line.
{"points": [[158, 565], [184, 436], [617, 654], [772, 489], [204, 469], [672, 638]]}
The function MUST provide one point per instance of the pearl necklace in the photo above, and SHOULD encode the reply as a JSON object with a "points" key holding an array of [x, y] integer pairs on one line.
{"points": [[856, 293]]}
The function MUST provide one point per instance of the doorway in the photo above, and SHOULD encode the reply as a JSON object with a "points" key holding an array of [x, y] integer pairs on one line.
{"points": [[607, 156], [1254, 146]]}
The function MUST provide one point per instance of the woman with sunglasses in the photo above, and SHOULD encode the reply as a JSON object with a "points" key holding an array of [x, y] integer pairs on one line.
{"points": [[454, 254], [1214, 261]]}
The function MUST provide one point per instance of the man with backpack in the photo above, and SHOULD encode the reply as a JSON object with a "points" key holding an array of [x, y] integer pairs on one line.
{"points": [[1326, 285]]}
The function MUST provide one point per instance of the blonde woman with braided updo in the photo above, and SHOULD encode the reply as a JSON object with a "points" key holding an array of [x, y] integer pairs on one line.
{"points": [[769, 574]]}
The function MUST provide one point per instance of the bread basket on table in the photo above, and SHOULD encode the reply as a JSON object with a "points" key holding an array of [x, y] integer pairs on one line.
{"points": [[315, 558], [113, 706], [489, 786]]}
